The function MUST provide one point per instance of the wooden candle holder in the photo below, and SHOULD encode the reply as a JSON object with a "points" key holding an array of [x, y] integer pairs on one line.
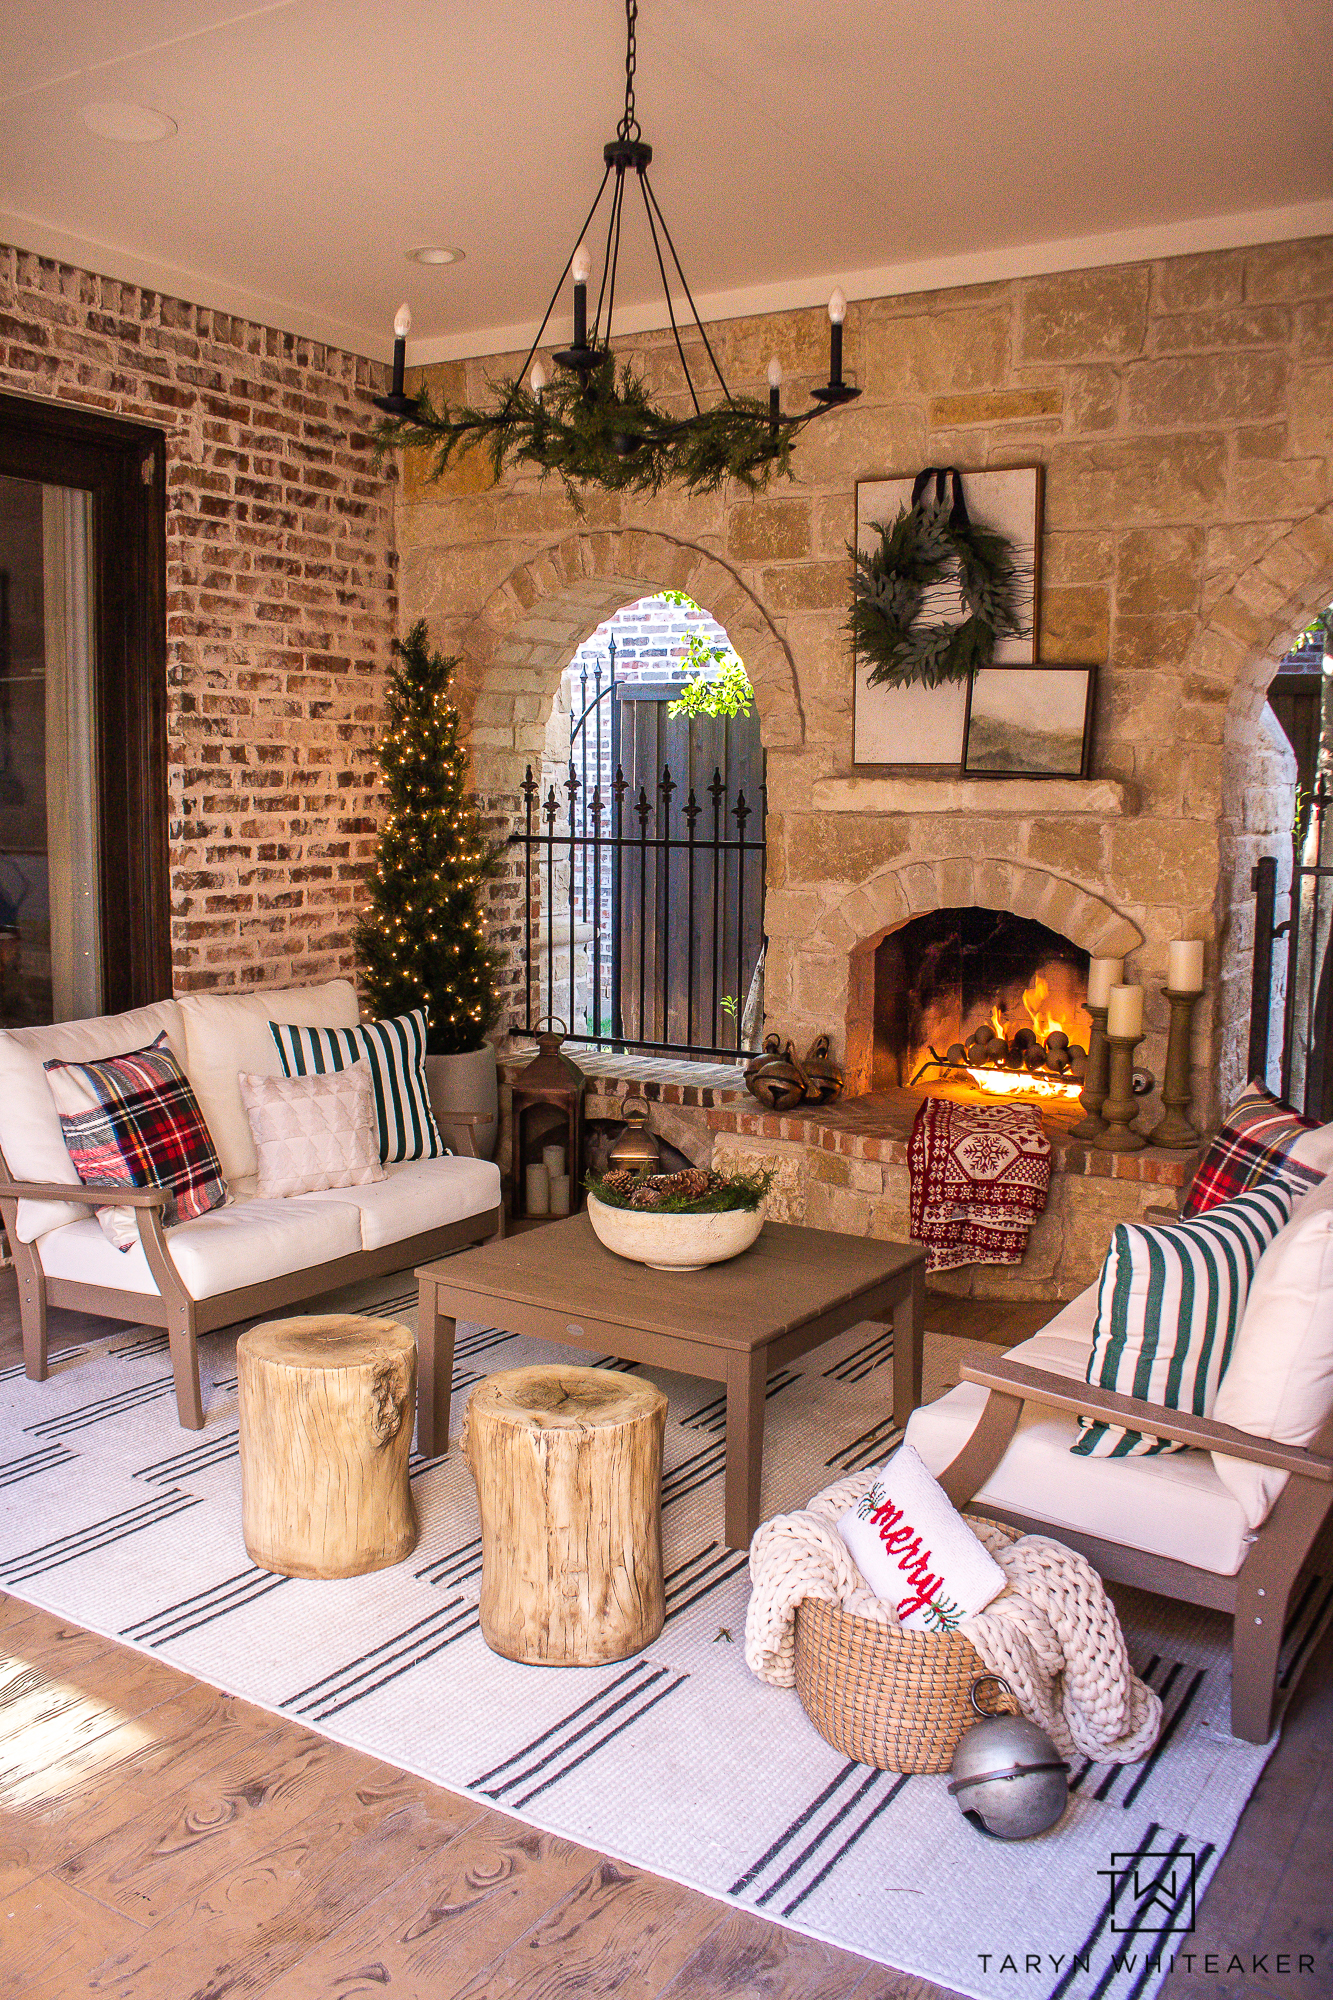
{"points": [[1175, 1128], [1093, 1094], [1120, 1106]]}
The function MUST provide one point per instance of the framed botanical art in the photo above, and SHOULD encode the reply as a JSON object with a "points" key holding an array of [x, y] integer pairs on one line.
{"points": [[1029, 722], [916, 725]]}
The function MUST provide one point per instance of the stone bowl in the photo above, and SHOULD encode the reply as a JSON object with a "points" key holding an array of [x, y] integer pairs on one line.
{"points": [[674, 1242]]}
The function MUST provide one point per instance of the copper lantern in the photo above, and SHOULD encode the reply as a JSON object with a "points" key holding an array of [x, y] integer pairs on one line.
{"points": [[547, 1106]]}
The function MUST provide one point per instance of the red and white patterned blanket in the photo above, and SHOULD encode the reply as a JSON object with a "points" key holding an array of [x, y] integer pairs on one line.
{"points": [[980, 1173]]}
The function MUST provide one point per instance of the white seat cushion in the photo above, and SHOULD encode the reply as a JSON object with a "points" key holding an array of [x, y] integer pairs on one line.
{"points": [[1174, 1506], [226, 1033], [417, 1195], [244, 1244], [30, 1135]]}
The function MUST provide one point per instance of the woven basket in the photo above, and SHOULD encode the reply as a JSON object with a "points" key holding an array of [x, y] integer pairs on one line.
{"points": [[881, 1695]]}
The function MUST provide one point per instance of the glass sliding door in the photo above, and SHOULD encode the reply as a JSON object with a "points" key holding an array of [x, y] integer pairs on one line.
{"points": [[84, 900], [50, 888]]}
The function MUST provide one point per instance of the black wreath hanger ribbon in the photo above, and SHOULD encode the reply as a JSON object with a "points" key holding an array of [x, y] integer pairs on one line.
{"points": [[959, 518]]}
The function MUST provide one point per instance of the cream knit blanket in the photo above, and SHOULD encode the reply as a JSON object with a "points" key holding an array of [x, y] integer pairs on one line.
{"points": [[1052, 1634]]}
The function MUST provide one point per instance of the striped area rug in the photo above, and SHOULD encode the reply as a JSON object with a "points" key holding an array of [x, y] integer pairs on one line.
{"points": [[677, 1761]]}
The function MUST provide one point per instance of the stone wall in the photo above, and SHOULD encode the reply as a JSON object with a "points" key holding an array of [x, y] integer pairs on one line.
{"points": [[1182, 410], [281, 603]]}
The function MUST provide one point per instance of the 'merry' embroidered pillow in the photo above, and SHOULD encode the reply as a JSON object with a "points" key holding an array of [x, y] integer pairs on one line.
{"points": [[916, 1551]]}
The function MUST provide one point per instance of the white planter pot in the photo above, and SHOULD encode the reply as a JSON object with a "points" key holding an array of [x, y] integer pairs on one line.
{"points": [[467, 1083], [674, 1242]]}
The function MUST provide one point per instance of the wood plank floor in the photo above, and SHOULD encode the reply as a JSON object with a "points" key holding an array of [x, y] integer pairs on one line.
{"points": [[158, 1838]]}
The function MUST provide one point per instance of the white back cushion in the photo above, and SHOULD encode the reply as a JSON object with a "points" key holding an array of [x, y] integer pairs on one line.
{"points": [[1279, 1382], [30, 1135], [226, 1033]]}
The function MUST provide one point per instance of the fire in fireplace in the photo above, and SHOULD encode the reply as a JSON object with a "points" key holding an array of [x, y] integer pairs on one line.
{"points": [[981, 996]]}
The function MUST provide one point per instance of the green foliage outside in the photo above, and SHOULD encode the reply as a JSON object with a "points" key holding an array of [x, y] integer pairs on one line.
{"points": [[422, 942]]}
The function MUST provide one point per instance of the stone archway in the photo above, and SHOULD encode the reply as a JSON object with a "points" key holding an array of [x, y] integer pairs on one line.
{"points": [[1237, 651], [517, 646], [514, 651]]}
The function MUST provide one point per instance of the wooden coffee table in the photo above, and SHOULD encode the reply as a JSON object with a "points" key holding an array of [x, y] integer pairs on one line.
{"points": [[733, 1323]]}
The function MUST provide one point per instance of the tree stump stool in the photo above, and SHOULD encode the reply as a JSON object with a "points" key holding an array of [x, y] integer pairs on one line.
{"points": [[568, 1467], [326, 1428]]}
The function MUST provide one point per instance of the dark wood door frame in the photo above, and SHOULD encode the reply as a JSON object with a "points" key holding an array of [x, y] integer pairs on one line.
{"points": [[124, 466]]}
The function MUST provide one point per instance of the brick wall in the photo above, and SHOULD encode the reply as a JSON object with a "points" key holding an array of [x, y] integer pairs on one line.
{"points": [[281, 603]]}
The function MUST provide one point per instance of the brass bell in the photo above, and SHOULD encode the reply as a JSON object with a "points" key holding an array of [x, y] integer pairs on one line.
{"points": [[635, 1150], [775, 1077], [824, 1078]]}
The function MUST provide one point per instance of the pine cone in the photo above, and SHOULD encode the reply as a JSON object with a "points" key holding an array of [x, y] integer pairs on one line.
{"points": [[691, 1183], [645, 1195], [621, 1181]]}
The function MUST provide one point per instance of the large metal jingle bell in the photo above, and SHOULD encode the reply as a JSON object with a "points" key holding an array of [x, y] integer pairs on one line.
{"points": [[824, 1078], [775, 1077], [1008, 1777]]}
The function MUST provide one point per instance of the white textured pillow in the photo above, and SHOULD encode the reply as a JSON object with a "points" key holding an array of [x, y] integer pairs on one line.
{"points": [[916, 1551], [1279, 1381], [313, 1132]]}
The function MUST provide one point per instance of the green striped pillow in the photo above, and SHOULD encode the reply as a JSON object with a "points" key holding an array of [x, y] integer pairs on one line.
{"points": [[1168, 1306], [396, 1053]]}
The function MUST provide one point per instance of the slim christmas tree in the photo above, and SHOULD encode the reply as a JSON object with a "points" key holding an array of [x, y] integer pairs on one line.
{"points": [[422, 943]]}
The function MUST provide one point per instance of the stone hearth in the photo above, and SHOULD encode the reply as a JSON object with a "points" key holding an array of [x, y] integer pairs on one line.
{"points": [[844, 1166]]}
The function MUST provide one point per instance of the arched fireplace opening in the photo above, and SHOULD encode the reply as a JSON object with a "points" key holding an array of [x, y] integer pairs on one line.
{"points": [[1002, 987]]}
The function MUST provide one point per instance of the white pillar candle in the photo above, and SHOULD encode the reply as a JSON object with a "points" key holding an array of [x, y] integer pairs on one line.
{"points": [[1185, 966], [553, 1159], [1103, 974], [560, 1194], [539, 1190], [1125, 1011]]}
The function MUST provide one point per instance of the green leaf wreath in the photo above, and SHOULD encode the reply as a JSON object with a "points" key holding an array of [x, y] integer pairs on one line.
{"points": [[608, 435], [920, 548]]}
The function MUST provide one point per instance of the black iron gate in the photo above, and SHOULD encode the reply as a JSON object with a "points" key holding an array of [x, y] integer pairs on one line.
{"points": [[1306, 1071], [644, 874]]}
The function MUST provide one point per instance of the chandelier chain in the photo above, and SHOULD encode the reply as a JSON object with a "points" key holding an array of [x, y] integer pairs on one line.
{"points": [[629, 127]]}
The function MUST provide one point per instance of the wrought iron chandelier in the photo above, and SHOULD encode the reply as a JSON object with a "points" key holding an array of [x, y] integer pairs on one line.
{"points": [[595, 424]]}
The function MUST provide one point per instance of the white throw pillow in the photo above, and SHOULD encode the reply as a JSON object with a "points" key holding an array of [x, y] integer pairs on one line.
{"points": [[916, 1551], [313, 1132], [1279, 1382]]}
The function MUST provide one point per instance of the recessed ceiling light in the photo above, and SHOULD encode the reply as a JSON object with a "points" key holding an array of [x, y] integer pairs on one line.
{"points": [[435, 253], [128, 124]]}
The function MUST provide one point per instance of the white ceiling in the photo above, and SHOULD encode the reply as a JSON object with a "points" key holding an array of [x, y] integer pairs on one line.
{"points": [[888, 145]]}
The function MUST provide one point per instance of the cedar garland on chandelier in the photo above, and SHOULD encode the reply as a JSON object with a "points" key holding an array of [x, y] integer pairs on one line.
{"points": [[422, 942]]}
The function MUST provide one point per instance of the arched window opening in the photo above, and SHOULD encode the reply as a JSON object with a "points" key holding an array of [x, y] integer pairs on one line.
{"points": [[644, 840]]}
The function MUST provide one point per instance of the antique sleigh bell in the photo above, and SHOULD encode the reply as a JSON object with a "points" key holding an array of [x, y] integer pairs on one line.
{"points": [[823, 1077], [775, 1077], [1007, 1775]]}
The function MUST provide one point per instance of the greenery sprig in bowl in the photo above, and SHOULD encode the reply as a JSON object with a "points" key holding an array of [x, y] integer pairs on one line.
{"points": [[692, 1191]]}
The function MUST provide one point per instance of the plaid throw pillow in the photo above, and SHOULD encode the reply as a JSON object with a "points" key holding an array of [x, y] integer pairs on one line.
{"points": [[135, 1119], [1260, 1140]]}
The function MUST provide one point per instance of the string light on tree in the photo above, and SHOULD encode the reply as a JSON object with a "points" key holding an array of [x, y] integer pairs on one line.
{"points": [[422, 940]]}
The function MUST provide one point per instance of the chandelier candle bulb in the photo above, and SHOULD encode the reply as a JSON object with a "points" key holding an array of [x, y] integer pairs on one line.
{"points": [[1103, 974], [582, 268], [837, 312], [774, 391], [537, 379], [1124, 1014], [402, 326], [1185, 966]]}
